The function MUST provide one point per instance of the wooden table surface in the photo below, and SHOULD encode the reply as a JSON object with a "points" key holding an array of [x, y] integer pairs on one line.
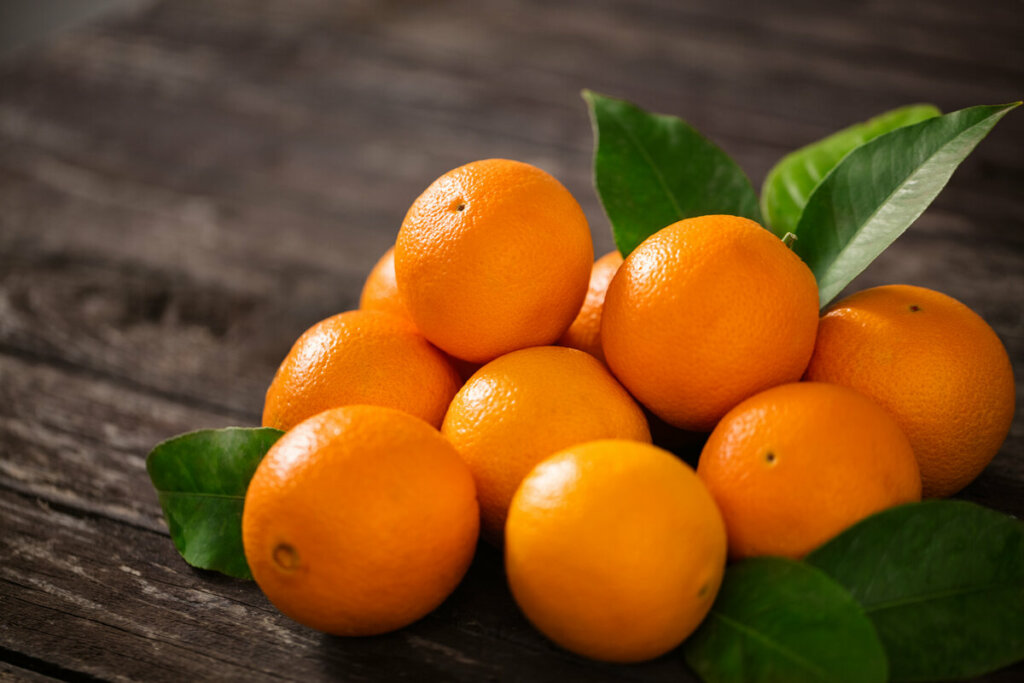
{"points": [[186, 187]]}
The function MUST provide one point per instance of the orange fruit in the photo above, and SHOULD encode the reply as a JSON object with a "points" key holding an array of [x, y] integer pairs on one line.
{"points": [[380, 291], [705, 313], [360, 357], [614, 550], [360, 520], [794, 465], [934, 364], [522, 407], [494, 256], [585, 331]]}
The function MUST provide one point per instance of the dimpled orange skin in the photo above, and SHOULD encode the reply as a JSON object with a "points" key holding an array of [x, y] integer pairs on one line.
{"points": [[522, 407], [614, 550], [705, 313], [795, 465], [494, 256], [380, 291], [585, 332], [359, 521], [360, 357], [935, 364]]}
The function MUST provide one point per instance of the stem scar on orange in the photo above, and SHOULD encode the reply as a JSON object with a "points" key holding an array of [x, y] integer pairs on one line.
{"points": [[494, 256]]}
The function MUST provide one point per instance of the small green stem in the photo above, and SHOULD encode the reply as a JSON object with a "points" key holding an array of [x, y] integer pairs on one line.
{"points": [[788, 239]]}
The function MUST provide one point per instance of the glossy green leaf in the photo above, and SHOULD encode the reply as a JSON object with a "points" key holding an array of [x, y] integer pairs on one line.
{"points": [[879, 189], [201, 478], [789, 184], [779, 620], [652, 170], [943, 582]]}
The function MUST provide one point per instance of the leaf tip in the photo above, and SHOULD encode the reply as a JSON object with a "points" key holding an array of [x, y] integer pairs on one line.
{"points": [[592, 98]]}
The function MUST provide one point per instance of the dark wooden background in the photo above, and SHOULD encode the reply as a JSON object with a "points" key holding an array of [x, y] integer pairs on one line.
{"points": [[186, 187]]}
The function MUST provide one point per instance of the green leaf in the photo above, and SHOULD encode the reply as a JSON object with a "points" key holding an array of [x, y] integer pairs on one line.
{"points": [[780, 620], [943, 582], [201, 478], [788, 185], [879, 189], [652, 170]]}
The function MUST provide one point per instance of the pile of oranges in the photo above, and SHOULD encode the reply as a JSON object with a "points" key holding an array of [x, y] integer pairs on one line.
{"points": [[497, 381]]}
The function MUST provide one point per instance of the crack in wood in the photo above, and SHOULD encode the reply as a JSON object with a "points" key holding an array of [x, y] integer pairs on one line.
{"points": [[45, 667]]}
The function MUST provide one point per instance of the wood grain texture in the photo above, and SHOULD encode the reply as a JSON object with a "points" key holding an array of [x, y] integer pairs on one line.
{"points": [[186, 187]]}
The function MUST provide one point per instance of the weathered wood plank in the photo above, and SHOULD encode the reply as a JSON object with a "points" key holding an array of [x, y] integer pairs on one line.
{"points": [[78, 440], [203, 344], [298, 93], [10, 672]]}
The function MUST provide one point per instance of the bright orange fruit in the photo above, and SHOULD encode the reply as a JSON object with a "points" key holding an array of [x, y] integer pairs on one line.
{"points": [[360, 520], [360, 357], [493, 256], [585, 332], [794, 465], [705, 313], [380, 291], [522, 407], [934, 364], [614, 549]]}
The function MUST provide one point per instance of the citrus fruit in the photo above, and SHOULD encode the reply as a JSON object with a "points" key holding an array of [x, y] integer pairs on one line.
{"points": [[493, 256], [614, 550], [380, 292], [934, 364], [585, 331], [359, 520], [360, 357], [794, 465], [522, 407], [705, 313]]}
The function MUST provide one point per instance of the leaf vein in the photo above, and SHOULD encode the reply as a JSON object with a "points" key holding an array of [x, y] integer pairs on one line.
{"points": [[934, 595], [908, 180], [811, 666], [654, 168]]}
